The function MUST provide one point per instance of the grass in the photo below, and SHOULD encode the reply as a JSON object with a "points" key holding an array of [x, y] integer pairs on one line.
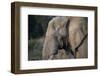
{"points": [[35, 49]]}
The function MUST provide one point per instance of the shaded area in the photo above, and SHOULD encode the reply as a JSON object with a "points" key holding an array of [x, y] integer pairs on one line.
{"points": [[37, 26]]}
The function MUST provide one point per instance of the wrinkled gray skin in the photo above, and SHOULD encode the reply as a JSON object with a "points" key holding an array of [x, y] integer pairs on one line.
{"points": [[77, 31], [57, 28]]}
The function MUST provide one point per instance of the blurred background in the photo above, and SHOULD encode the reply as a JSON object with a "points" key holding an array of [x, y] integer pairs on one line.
{"points": [[37, 26]]}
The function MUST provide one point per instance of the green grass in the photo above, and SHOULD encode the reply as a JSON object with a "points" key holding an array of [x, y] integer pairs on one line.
{"points": [[35, 49]]}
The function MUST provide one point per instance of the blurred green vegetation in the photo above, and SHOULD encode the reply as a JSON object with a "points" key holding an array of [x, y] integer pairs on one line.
{"points": [[37, 26]]}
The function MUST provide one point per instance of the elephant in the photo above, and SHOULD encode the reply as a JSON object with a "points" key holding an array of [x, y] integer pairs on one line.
{"points": [[64, 35]]}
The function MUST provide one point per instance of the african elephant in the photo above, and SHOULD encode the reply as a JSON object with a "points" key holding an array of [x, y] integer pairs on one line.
{"points": [[65, 33]]}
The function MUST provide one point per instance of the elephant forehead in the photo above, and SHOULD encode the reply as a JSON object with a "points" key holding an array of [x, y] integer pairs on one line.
{"points": [[60, 21]]}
